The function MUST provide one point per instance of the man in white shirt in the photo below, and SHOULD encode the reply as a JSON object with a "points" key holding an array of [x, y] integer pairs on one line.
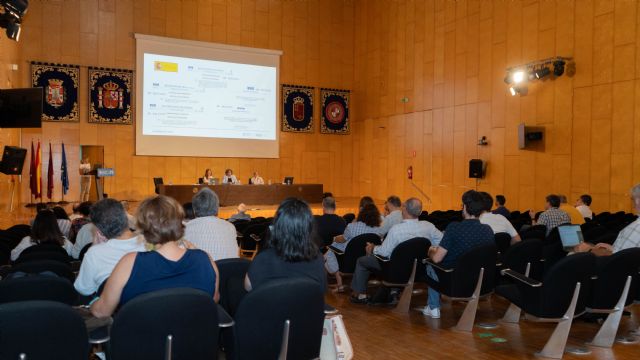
{"points": [[110, 219], [256, 179], [583, 205], [497, 222], [393, 214], [207, 231], [410, 228]]}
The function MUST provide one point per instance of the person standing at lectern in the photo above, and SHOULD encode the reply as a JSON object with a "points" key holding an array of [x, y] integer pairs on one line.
{"points": [[85, 179], [256, 179], [229, 178]]}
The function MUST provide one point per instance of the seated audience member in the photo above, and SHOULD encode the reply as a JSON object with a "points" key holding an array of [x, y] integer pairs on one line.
{"points": [[130, 218], [410, 228], [629, 237], [459, 237], [329, 225], [327, 194], [241, 214], [45, 230], [63, 220], [170, 265], [292, 253], [574, 214], [229, 178], [217, 237], [583, 205], [392, 214], [188, 212], [367, 222], [110, 217], [364, 201], [501, 209], [84, 209], [256, 179], [552, 216], [497, 222], [89, 234], [75, 212]]}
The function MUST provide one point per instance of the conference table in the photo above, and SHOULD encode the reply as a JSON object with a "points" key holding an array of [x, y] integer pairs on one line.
{"points": [[247, 194]]}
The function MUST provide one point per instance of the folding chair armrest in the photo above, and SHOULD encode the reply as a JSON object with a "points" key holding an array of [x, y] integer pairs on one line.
{"points": [[382, 258], [224, 319], [255, 237], [335, 250], [428, 261], [523, 279]]}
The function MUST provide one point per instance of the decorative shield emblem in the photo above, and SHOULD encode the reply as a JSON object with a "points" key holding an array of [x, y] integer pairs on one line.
{"points": [[298, 109], [110, 96], [334, 112], [55, 93]]}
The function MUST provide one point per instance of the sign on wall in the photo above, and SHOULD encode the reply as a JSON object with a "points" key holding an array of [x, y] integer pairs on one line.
{"points": [[59, 82], [110, 96]]}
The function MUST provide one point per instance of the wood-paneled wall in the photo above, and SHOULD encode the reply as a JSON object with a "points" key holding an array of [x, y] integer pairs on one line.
{"points": [[449, 58], [316, 37]]}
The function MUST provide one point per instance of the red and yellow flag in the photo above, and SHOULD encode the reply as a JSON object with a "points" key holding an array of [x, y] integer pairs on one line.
{"points": [[38, 172]]}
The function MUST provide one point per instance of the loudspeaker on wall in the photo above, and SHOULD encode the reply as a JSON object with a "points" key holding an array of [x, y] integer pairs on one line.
{"points": [[476, 168], [12, 160]]}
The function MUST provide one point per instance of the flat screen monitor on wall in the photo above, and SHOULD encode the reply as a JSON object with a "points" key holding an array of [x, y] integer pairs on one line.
{"points": [[203, 99], [529, 134], [21, 108]]}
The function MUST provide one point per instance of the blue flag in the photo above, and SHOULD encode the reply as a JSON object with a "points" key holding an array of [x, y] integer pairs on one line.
{"points": [[64, 176]]}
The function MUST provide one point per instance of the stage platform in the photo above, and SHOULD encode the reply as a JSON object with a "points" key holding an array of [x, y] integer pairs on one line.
{"points": [[23, 215]]}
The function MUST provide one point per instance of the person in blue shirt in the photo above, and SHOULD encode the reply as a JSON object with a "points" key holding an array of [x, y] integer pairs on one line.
{"points": [[459, 237], [501, 209]]}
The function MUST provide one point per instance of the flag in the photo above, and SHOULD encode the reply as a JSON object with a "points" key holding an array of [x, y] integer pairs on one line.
{"points": [[38, 172], [50, 174], [32, 173], [64, 176]]}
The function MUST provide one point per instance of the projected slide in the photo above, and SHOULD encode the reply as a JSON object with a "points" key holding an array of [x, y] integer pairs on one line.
{"points": [[205, 98]]}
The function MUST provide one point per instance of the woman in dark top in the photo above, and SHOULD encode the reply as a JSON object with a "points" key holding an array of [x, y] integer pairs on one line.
{"points": [[170, 265], [292, 252]]}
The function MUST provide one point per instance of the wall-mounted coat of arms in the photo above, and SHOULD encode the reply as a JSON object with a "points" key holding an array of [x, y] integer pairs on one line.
{"points": [[110, 96], [297, 108], [335, 111], [60, 86]]}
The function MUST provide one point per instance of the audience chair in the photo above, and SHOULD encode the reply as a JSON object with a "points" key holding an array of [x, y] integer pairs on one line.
{"points": [[252, 239], [591, 233], [231, 283], [42, 266], [282, 319], [503, 241], [42, 330], [535, 232], [399, 270], [84, 251], [349, 217], [525, 257], [612, 291], [473, 277], [37, 287], [175, 323], [555, 299], [355, 249], [5, 254], [13, 235]]}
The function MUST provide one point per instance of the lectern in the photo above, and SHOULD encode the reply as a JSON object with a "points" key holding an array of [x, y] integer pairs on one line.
{"points": [[100, 173]]}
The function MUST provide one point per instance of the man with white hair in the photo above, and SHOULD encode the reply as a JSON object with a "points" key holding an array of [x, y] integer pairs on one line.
{"points": [[207, 231], [241, 215]]}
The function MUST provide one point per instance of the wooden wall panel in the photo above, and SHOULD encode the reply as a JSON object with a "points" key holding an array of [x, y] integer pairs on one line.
{"points": [[317, 37], [592, 119]]}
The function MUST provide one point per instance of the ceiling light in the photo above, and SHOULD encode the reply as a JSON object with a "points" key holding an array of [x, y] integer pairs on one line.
{"points": [[558, 67], [518, 76], [513, 90], [542, 72]]}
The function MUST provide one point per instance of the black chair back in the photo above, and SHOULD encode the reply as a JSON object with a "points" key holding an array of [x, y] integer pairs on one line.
{"points": [[40, 266], [141, 328], [354, 250], [5, 254], [535, 232], [612, 274], [157, 181], [84, 251], [262, 313], [521, 253], [42, 330], [349, 217], [37, 287], [503, 241], [467, 270], [231, 283], [560, 282], [257, 229], [399, 268]]}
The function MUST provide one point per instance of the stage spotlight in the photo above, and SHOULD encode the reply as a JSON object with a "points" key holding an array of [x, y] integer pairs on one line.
{"points": [[507, 79], [518, 76], [11, 17], [542, 72], [519, 89], [570, 68], [513, 91], [558, 67]]}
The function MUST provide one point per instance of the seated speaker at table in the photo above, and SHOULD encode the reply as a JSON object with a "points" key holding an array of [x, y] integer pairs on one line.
{"points": [[256, 179], [229, 178]]}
